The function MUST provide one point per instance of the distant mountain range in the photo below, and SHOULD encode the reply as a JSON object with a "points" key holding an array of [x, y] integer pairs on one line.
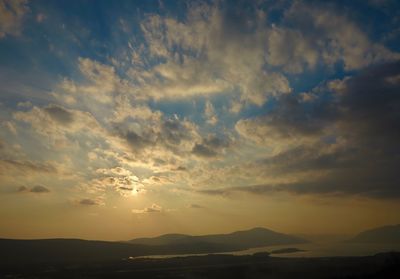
{"points": [[386, 234], [256, 237], [75, 250], [14, 251]]}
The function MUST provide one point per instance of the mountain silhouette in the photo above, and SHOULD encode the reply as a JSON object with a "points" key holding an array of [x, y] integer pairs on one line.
{"points": [[256, 237], [385, 234], [76, 250]]}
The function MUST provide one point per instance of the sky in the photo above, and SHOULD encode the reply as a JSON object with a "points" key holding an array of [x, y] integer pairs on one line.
{"points": [[122, 119]]}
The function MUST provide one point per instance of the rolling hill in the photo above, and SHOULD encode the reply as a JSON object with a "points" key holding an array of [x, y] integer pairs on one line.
{"points": [[252, 238], [15, 251], [386, 234]]}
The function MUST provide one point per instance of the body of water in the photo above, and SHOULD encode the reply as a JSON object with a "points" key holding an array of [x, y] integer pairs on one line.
{"points": [[325, 249]]}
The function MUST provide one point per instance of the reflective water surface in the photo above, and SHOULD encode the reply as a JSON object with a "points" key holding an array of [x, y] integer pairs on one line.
{"points": [[323, 249]]}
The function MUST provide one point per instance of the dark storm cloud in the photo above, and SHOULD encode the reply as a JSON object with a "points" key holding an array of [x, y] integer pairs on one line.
{"points": [[366, 106], [293, 117], [305, 158], [371, 104], [59, 114], [291, 120], [367, 186], [355, 132]]}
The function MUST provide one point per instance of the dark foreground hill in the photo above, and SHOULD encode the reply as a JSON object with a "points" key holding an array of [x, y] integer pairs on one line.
{"points": [[386, 265], [84, 251], [256, 237], [386, 234], [65, 250], [77, 251]]}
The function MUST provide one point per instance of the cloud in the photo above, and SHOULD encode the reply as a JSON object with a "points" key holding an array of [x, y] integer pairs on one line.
{"points": [[115, 114], [26, 104], [167, 138], [154, 208], [58, 125], [89, 202], [229, 191], [331, 185], [291, 50], [135, 141], [203, 151], [288, 124], [10, 126], [100, 83], [12, 13], [22, 189], [119, 179], [24, 166], [39, 189], [214, 57], [17, 168], [209, 113], [59, 114], [196, 206], [211, 146], [54, 118], [117, 171], [337, 143], [320, 32], [370, 102]]}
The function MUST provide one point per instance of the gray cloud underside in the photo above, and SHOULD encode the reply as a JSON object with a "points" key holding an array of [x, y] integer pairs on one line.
{"points": [[351, 137], [59, 114], [39, 189], [211, 146], [376, 187], [88, 202], [196, 206], [27, 166]]}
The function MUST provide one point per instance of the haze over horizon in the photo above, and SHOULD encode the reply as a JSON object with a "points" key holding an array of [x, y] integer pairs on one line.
{"points": [[127, 119]]}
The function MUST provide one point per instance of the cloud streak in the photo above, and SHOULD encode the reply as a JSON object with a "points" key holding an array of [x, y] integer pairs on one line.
{"points": [[154, 208], [12, 13]]}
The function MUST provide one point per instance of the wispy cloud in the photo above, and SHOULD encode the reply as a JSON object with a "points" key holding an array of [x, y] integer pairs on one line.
{"points": [[154, 208], [12, 13]]}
